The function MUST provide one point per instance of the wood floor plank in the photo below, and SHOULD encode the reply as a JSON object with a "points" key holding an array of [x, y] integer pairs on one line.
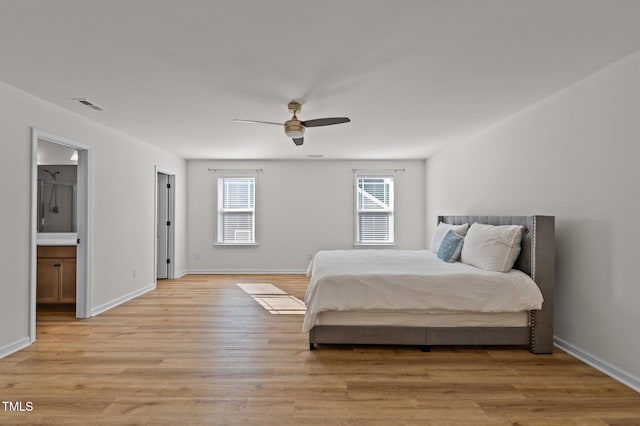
{"points": [[201, 351]]}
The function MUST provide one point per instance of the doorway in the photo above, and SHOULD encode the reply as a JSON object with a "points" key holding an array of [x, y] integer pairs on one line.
{"points": [[59, 216], [165, 227]]}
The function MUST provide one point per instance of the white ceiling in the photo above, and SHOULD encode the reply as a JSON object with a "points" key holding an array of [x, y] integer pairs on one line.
{"points": [[412, 75]]}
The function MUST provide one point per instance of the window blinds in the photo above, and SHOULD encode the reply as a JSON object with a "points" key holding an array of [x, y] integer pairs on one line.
{"points": [[374, 207], [236, 210]]}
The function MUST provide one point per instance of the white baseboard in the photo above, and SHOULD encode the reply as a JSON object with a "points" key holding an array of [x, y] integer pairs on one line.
{"points": [[122, 299], [246, 271], [181, 274], [603, 366], [7, 350]]}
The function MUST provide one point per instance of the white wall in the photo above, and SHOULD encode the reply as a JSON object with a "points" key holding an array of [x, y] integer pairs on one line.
{"points": [[574, 155], [302, 207], [122, 217]]}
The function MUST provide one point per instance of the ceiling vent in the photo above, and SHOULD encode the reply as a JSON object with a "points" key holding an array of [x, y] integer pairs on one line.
{"points": [[88, 103]]}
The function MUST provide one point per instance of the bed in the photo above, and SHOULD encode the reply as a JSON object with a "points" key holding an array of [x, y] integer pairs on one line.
{"points": [[511, 314]]}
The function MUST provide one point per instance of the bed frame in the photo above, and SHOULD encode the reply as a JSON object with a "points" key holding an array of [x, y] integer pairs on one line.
{"points": [[536, 259]]}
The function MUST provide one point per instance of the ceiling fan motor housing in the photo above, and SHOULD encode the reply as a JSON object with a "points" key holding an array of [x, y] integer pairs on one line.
{"points": [[294, 128]]}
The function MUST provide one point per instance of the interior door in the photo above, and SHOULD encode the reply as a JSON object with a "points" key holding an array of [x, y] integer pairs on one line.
{"points": [[164, 222]]}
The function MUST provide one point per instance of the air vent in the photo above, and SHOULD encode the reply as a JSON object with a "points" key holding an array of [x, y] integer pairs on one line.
{"points": [[315, 156], [88, 103]]}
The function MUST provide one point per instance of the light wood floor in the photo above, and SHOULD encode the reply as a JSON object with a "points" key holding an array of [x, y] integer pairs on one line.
{"points": [[199, 350]]}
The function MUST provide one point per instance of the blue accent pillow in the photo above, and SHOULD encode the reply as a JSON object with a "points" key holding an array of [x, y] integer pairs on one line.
{"points": [[451, 247]]}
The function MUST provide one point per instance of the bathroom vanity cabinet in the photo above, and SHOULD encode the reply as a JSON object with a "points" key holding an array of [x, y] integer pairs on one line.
{"points": [[56, 280]]}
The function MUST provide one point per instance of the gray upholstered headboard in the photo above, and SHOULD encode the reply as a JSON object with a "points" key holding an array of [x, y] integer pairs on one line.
{"points": [[536, 259]]}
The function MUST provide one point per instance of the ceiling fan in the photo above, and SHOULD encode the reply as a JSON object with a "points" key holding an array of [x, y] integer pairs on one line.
{"points": [[294, 128]]}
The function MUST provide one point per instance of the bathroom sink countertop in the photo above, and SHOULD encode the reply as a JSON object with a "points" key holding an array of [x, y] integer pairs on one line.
{"points": [[57, 239]]}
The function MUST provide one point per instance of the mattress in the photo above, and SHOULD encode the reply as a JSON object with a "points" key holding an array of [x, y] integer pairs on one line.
{"points": [[401, 280]]}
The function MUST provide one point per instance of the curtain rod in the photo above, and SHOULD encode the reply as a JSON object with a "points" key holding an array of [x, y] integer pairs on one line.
{"points": [[235, 170], [378, 170]]}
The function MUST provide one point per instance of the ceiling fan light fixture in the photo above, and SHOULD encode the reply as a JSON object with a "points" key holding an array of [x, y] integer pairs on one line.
{"points": [[294, 133], [294, 128]]}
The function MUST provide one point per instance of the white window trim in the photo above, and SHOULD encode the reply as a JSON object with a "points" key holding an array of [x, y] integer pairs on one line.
{"points": [[219, 232], [356, 231]]}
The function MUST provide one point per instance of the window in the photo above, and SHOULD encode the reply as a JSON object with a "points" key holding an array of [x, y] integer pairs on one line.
{"points": [[237, 210], [374, 210]]}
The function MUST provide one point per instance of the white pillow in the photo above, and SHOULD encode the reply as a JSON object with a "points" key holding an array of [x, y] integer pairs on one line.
{"points": [[442, 230], [492, 248]]}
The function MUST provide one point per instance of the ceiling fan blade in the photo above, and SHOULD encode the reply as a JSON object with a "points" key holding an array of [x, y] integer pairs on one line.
{"points": [[298, 141], [325, 121], [257, 122]]}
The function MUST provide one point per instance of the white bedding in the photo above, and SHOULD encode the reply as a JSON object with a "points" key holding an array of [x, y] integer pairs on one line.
{"points": [[343, 280]]}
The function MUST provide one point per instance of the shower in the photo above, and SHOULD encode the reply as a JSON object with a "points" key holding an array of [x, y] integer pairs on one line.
{"points": [[57, 198], [53, 198]]}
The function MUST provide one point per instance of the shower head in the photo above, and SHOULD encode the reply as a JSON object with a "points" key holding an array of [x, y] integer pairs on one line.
{"points": [[53, 198], [53, 174]]}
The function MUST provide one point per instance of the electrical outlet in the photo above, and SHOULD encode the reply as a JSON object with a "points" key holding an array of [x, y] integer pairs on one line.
{"points": [[197, 256], [135, 272]]}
